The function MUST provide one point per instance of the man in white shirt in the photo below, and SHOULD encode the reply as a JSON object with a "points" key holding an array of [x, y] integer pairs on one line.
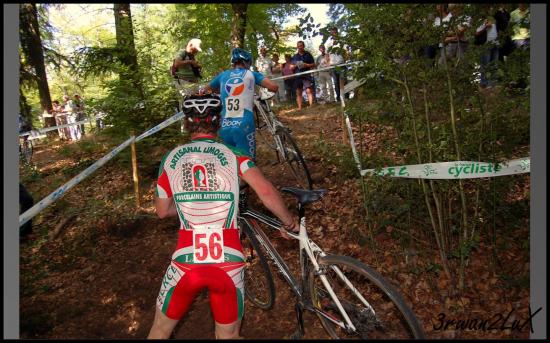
{"points": [[264, 63], [325, 77], [488, 58], [336, 52]]}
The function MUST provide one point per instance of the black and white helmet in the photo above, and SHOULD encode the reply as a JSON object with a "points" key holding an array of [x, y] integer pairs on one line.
{"points": [[205, 107]]}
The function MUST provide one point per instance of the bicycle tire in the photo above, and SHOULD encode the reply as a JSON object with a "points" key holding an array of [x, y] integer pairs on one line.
{"points": [[390, 317], [263, 135], [259, 286], [294, 159]]}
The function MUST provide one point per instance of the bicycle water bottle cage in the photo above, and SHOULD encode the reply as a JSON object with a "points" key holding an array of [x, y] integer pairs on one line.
{"points": [[305, 196]]}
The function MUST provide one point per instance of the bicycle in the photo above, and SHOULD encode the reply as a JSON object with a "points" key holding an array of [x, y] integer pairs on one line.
{"points": [[283, 144], [351, 299]]}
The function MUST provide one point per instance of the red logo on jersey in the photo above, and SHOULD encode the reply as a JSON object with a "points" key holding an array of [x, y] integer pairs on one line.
{"points": [[200, 178]]}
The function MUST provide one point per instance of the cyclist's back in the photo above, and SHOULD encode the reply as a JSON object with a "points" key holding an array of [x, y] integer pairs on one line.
{"points": [[236, 88]]}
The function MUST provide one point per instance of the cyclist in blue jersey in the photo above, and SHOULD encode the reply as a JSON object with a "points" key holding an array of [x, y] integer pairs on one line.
{"points": [[236, 88]]}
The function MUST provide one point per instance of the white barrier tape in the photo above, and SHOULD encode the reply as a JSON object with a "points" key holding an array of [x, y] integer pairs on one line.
{"points": [[455, 170], [444, 170], [160, 126], [35, 133], [315, 70], [31, 212]]}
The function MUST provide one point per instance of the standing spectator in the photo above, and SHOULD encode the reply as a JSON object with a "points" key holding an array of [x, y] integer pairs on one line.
{"points": [[289, 82], [337, 51], [456, 40], [277, 73], [60, 119], [186, 70], [502, 18], [69, 109], [486, 35], [80, 113], [264, 63], [325, 78], [520, 19], [303, 61]]}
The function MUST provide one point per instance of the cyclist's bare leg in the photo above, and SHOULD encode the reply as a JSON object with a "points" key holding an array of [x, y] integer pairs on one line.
{"points": [[162, 326], [228, 331]]}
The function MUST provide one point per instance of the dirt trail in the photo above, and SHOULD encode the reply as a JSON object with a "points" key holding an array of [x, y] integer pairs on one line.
{"points": [[99, 279]]}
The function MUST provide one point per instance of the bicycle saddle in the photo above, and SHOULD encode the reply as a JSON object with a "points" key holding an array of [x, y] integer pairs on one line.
{"points": [[305, 196]]}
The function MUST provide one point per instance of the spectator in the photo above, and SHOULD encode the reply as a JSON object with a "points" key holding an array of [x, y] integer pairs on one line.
{"points": [[456, 40], [301, 62], [289, 82], [69, 109], [60, 119], [277, 72], [486, 35], [520, 19], [337, 51], [325, 78], [264, 63], [80, 113], [506, 46], [186, 70]]}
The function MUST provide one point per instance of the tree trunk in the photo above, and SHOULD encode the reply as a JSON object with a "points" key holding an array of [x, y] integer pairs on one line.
{"points": [[238, 28], [125, 41], [31, 44]]}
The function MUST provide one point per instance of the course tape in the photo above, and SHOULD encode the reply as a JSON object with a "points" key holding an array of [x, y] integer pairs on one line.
{"points": [[35, 133], [315, 70], [455, 170], [31, 212], [160, 126], [443, 170]]}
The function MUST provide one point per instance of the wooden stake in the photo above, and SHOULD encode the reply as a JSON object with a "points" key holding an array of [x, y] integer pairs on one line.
{"points": [[135, 174]]}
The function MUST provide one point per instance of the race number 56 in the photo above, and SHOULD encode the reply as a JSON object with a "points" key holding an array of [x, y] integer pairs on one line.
{"points": [[208, 245]]}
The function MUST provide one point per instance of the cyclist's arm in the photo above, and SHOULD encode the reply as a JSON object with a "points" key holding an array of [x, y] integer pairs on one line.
{"points": [[271, 85], [270, 197], [166, 207]]}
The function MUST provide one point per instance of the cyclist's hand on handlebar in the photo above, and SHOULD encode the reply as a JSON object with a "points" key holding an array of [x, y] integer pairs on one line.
{"points": [[293, 228]]}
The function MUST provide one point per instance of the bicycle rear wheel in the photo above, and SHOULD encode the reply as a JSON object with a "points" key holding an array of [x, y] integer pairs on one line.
{"points": [[263, 135], [294, 159], [259, 287], [385, 314]]}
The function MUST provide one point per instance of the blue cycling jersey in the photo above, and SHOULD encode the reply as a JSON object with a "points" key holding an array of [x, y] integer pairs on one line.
{"points": [[237, 92]]}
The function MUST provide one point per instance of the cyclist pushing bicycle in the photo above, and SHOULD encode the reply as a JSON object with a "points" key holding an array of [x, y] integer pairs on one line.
{"points": [[236, 88], [199, 183]]}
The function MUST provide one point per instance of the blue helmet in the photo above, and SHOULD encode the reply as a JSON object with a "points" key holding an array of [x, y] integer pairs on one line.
{"points": [[239, 54]]}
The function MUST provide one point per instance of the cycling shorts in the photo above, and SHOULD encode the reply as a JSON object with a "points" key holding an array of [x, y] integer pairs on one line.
{"points": [[184, 280], [240, 134]]}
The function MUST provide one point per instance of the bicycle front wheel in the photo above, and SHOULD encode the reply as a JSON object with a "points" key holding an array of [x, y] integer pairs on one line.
{"points": [[293, 159], [259, 287], [374, 307]]}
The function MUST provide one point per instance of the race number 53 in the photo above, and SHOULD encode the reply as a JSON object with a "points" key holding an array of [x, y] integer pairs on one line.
{"points": [[208, 245]]}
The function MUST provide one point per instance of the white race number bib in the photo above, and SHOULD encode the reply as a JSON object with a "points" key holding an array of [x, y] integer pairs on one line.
{"points": [[208, 245]]}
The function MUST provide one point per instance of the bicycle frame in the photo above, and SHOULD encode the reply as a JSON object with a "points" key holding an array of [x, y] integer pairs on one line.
{"points": [[271, 121], [308, 249]]}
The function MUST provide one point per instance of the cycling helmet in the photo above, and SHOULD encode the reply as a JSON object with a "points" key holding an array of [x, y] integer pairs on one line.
{"points": [[239, 54], [205, 107]]}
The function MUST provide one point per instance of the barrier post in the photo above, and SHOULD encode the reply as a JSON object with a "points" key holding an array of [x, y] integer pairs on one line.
{"points": [[135, 173]]}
